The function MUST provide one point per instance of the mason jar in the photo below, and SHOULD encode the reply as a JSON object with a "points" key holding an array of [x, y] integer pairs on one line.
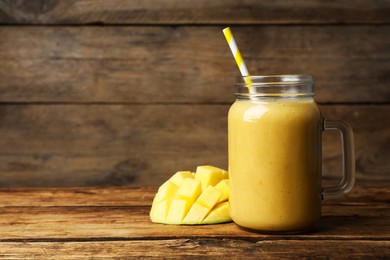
{"points": [[274, 147]]}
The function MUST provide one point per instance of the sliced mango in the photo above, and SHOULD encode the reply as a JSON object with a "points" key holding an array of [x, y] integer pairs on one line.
{"points": [[162, 201], [219, 214], [166, 191], [159, 211], [225, 174], [223, 187], [189, 190], [196, 214], [209, 175], [209, 198], [203, 205], [177, 211], [193, 198], [179, 177]]}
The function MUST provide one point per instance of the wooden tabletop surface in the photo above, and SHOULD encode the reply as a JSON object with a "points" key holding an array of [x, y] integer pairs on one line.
{"points": [[114, 222]]}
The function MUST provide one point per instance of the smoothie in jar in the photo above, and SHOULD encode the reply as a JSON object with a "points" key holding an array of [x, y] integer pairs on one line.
{"points": [[275, 162]]}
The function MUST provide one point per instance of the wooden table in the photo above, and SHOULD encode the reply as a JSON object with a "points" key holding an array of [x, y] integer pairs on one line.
{"points": [[114, 222]]}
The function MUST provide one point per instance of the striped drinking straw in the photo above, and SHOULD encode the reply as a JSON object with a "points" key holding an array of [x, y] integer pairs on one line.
{"points": [[237, 55]]}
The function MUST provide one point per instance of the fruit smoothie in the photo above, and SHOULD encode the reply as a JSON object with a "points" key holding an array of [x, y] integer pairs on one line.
{"points": [[275, 163]]}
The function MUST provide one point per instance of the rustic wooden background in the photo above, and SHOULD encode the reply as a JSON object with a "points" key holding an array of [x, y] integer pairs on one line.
{"points": [[96, 92]]}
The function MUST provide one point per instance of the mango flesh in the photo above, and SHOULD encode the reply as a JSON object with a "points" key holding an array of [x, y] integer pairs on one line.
{"points": [[166, 191], [223, 187], [178, 177], [177, 210], [162, 201], [208, 175], [193, 198], [189, 190], [219, 214], [203, 205]]}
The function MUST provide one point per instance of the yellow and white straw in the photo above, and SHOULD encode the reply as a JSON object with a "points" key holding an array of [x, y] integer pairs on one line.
{"points": [[237, 54]]}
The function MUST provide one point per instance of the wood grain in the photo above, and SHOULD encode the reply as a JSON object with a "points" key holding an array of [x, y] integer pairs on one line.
{"points": [[131, 222], [86, 197], [181, 248], [33, 223], [143, 196], [172, 64], [36, 223], [198, 12], [88, 145], [42, 223], [76, 145], [72, 145]]}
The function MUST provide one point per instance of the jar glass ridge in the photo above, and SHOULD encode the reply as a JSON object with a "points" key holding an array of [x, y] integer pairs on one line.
{"points": [[283, 86]]}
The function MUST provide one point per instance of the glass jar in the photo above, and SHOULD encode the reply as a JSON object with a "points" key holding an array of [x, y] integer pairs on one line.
{"points": [[274, 132]]}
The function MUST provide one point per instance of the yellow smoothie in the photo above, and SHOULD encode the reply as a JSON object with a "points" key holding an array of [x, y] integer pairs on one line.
{"points": [[275, 163]]}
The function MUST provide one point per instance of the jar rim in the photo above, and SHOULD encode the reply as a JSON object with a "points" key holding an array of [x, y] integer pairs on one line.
{"points": [[275, 86], [282, 79]]}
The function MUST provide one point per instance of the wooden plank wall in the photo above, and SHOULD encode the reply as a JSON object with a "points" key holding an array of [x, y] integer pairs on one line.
{"points": [[96, 92]]}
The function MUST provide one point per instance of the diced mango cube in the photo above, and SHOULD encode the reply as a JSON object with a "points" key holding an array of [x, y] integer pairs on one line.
{"points": [[203, 205], [162, 201], [196, 214], [178, 209], [166, 191], [209, 197], [189, 190], [223, 187], [219, 214], [179, 177], [208, 175], [159, 211], [225, 174]]}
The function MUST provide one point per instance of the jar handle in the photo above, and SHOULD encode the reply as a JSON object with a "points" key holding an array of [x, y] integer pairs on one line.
{"points": [[348, 153]]}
